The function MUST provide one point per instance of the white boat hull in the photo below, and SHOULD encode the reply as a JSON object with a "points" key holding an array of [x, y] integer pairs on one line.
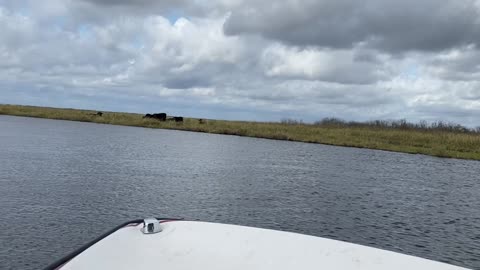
{"points": [[200, 245]]}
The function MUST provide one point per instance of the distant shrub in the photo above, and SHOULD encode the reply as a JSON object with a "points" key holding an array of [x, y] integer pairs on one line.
{"points": [[331, 121], [289, 121], [399, 124]]}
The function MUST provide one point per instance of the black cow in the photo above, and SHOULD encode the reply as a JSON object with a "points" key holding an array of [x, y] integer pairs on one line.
{"points": [[175, 118], [158, 116], [178, 119], [96, 114]]}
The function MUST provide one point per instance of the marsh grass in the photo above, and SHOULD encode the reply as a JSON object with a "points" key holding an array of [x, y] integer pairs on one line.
{"points": [[455, 143]]}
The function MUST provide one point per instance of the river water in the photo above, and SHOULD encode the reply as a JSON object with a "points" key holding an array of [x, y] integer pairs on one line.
{"points": [[63, 183]]}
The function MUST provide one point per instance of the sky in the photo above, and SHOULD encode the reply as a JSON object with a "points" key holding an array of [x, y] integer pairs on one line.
{"points": [[246, 59]]}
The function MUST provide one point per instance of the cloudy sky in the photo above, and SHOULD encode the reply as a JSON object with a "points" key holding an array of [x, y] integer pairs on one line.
{"points": [[246, 59]]}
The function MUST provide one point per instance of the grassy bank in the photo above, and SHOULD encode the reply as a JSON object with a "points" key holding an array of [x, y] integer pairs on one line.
{"points": [[435, 142]]}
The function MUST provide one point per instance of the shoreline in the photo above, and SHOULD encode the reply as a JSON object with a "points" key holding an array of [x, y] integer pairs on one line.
{"points": [[445, 144]]}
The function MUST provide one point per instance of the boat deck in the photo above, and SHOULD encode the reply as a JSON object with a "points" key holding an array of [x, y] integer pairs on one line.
{"points": [[200, 245]]}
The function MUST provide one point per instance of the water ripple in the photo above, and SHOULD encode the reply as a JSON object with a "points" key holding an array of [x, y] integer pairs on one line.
{"points": [[71, 181]]}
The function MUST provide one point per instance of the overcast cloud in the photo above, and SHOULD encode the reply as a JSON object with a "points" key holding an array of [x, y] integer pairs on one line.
{"points": [[246, 59]]}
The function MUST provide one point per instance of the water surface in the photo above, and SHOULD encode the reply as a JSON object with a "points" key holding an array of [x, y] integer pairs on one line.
{"points": [[63, 183]]}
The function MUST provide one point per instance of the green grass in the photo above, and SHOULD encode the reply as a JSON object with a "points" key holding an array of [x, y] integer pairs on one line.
{"points": [[464, 145]]}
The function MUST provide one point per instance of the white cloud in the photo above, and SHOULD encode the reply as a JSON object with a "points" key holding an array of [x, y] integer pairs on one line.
{"points": [[190, 43], [325, 65], [59, 51]]}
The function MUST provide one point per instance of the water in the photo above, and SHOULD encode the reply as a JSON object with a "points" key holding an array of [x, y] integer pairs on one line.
{"points": [[63, 183]]}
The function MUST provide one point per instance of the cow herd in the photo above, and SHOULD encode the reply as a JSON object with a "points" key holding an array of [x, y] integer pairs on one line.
{"points": [[163, 117]]}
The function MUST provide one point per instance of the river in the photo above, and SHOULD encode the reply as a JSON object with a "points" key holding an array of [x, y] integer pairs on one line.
{"points": [[63, 183]]}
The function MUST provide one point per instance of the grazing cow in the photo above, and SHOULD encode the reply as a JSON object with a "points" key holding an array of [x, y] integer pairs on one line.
{"points": [[96, 114], [178, 119], [158, 116], [175, 118]]}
